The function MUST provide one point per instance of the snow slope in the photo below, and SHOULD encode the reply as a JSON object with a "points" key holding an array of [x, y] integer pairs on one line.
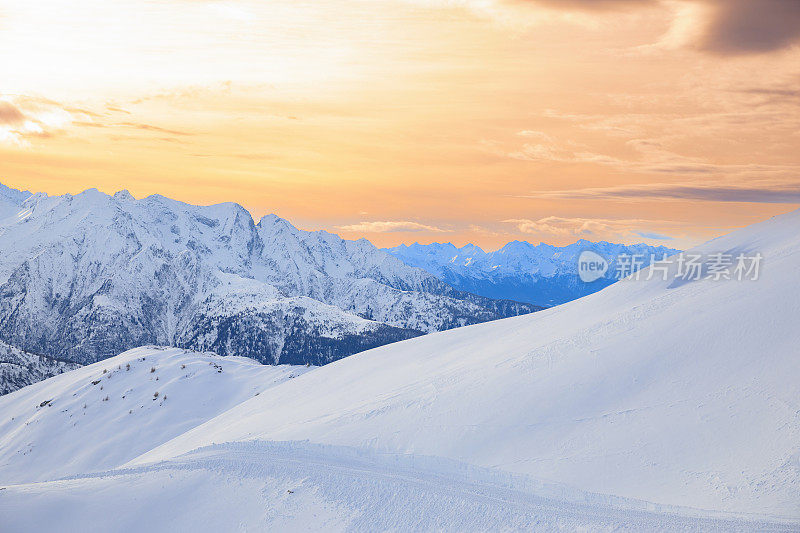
{"points": [[103, 415], [541, 274], [85, 277], [301, 487], [674, 392], [19, 368]]}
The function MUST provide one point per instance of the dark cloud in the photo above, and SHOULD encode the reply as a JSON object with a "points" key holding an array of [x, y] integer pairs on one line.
{"points": [[737, 26], [788, 95], [778, 194], [753, 26], [10, 114]]}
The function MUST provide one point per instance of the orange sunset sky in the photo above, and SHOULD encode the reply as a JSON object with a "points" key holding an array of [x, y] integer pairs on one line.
{"points": [[659, 121]]}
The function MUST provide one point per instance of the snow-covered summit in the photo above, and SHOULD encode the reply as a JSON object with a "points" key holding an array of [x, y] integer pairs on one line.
{"points": [[85, 276], [11, 201], [541, 274]]}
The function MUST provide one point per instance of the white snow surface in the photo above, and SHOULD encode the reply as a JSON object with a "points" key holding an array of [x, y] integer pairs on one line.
{"points": [[280, 486], [651, 405], [105, 414], [676, 393]]}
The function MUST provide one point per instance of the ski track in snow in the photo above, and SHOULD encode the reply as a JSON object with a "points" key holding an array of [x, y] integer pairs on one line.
{"points": [[293, 486]]}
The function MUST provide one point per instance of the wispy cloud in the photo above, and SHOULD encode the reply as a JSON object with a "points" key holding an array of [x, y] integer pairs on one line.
{"points": [[387, 226], [575, 226], [654, 236], [595, 228], [10, 115], [23, 118], [779, 193]]}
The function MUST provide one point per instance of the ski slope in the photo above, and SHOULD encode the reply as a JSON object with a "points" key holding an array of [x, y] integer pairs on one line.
{"points": [[651, 405], [302, 487], [680, 393]]}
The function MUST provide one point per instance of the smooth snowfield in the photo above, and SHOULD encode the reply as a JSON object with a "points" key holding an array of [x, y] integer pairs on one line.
{"points": [[263, 486], [103, 415], [680, 393]]}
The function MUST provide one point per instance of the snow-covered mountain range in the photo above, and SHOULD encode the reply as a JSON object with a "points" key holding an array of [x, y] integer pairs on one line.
{"points": [[658, 404], [19, 368], [540, 274], [87, 276]]}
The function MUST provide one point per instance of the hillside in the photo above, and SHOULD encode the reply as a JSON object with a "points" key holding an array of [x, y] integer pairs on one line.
{"points": [[676, 392], [102, 415]]}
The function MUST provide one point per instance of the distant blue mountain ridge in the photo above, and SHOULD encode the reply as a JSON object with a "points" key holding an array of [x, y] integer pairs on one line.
{"points": [[539, 274]]}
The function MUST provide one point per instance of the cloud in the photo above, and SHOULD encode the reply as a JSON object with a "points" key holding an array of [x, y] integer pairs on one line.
{"points": [[724, 27], [134, 125], [150, 127], [594, 4], [24, 117], [623, 229], [10, 114], [533, 134], [391, 226], [773, 193], [654, 236], [753, 26], [653, 155]]}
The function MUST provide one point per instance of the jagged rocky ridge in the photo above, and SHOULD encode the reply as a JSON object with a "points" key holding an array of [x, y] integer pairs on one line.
{"points": [[87, 276]]}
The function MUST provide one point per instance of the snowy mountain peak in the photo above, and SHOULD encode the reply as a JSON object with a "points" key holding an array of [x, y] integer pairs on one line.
{"points": [[13, 196], [541, 274], [124, 195], [83, 277], [11, 201]]}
